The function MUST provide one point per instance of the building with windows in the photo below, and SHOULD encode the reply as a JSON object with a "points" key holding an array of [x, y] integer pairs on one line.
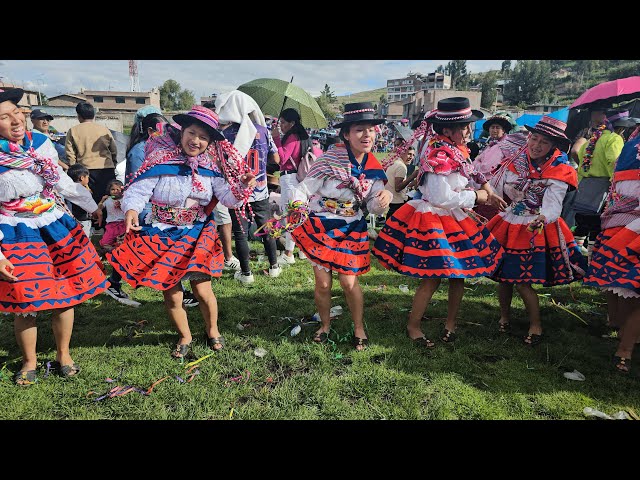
{"points": [[402, 88], [109, 101]]}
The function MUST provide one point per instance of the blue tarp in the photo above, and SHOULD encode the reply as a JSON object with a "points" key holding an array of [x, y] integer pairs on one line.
{"points": [[526, 119]]}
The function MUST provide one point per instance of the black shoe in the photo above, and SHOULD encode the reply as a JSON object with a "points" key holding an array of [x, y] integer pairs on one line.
{"points": [[189, 300], [121, 297]]}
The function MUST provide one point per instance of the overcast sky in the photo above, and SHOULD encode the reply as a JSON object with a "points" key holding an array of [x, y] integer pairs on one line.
{"points": [[204, 77]]}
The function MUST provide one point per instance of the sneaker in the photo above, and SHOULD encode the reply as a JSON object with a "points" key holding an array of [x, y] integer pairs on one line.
{"points": [[189, 300], [232, 264], [242, 278], [275, 272], [301, 255], [286, 260], [121, 297]]}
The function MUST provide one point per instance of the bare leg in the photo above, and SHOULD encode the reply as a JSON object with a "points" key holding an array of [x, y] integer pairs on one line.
{"points": [[62, 326], [419, 305], [532, 304], [177, 313], [456, 292], [26, 333], [225, 237], [322, 295], [614, 319], [629, 332], [355, 300], [209, 308], [505, 296]]}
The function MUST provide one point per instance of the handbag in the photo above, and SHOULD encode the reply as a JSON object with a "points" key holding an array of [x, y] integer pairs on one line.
{"points": [[591, 195], [305, 164]]}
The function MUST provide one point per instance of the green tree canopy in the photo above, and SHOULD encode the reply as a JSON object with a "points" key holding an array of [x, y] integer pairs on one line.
{"points": [[328, 94], [459, 75], [172, 97], [506, 66], [488, 88], [325, 101], [530, 82]]}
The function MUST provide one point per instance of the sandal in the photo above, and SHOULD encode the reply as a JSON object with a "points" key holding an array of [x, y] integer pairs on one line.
{"points": [[447, 336], [504, 327], [321, 337], [532, 339], [623, 365], [181, 351], [66, 371], [25, 378], [422, 341], [212, 342], [360, 342]]}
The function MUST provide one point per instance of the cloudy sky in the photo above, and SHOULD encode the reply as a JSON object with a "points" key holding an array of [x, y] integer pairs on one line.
{"points": [[203, 77]]}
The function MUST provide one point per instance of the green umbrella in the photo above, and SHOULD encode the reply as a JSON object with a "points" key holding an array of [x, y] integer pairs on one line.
{"points": [[273, 96]]}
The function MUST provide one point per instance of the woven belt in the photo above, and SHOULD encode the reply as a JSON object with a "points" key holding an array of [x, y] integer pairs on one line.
{"points": [[27, 207], [339, 207], [520, 208], [178, 216]]}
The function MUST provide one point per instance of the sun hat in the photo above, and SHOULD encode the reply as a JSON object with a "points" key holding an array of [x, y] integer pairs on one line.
{"points": [[203, 115]]}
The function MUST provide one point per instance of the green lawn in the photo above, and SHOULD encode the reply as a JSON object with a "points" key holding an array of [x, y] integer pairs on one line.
{"points": [[484, 375]]}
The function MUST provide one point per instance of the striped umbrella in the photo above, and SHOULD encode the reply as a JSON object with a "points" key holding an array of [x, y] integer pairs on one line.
{"points": [[273, 95]]}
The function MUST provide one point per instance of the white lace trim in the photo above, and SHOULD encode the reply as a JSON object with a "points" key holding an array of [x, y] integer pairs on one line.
{"points": [[622, 292], [34, 222], [321, 267]]}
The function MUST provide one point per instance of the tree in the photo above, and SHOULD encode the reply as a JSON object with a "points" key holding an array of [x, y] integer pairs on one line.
{"points": [[624, 70], [440, 69], [383, 99], [506, 66], [584, 68], [530, 82], [325, 102], [458, 71], [172, 97], [327, 109], [328, 94], [488, 87]]}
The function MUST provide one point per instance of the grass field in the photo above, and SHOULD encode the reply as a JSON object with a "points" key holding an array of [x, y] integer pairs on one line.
{"points": [[484, 375]]}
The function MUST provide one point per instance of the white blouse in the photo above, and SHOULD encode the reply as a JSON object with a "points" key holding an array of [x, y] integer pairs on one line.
{"points": [[447, 191], [177, 191], [17, 183], [552, 198], [315, 188]]}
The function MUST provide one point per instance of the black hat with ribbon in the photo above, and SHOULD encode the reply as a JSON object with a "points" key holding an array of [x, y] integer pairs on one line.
{"points": [[359, 112]]}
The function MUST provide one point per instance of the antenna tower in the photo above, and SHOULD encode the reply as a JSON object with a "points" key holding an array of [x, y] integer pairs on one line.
{"points": [[133, 76]]}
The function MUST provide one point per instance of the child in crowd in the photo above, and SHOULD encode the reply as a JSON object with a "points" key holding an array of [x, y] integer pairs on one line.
{"points": [[80, 174], [114, 229]]}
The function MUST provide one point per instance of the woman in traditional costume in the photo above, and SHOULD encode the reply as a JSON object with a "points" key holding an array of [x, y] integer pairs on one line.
{"points": [[181, 178], [46, 260], [539, 247], [438, 236], [615, 264]]}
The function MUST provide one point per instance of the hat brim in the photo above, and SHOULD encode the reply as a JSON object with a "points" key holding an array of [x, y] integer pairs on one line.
{"points": [[182, 118], [563, 142], [372, 121], [475, 115], [48, 117], [13, 95], [505, 124]]}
